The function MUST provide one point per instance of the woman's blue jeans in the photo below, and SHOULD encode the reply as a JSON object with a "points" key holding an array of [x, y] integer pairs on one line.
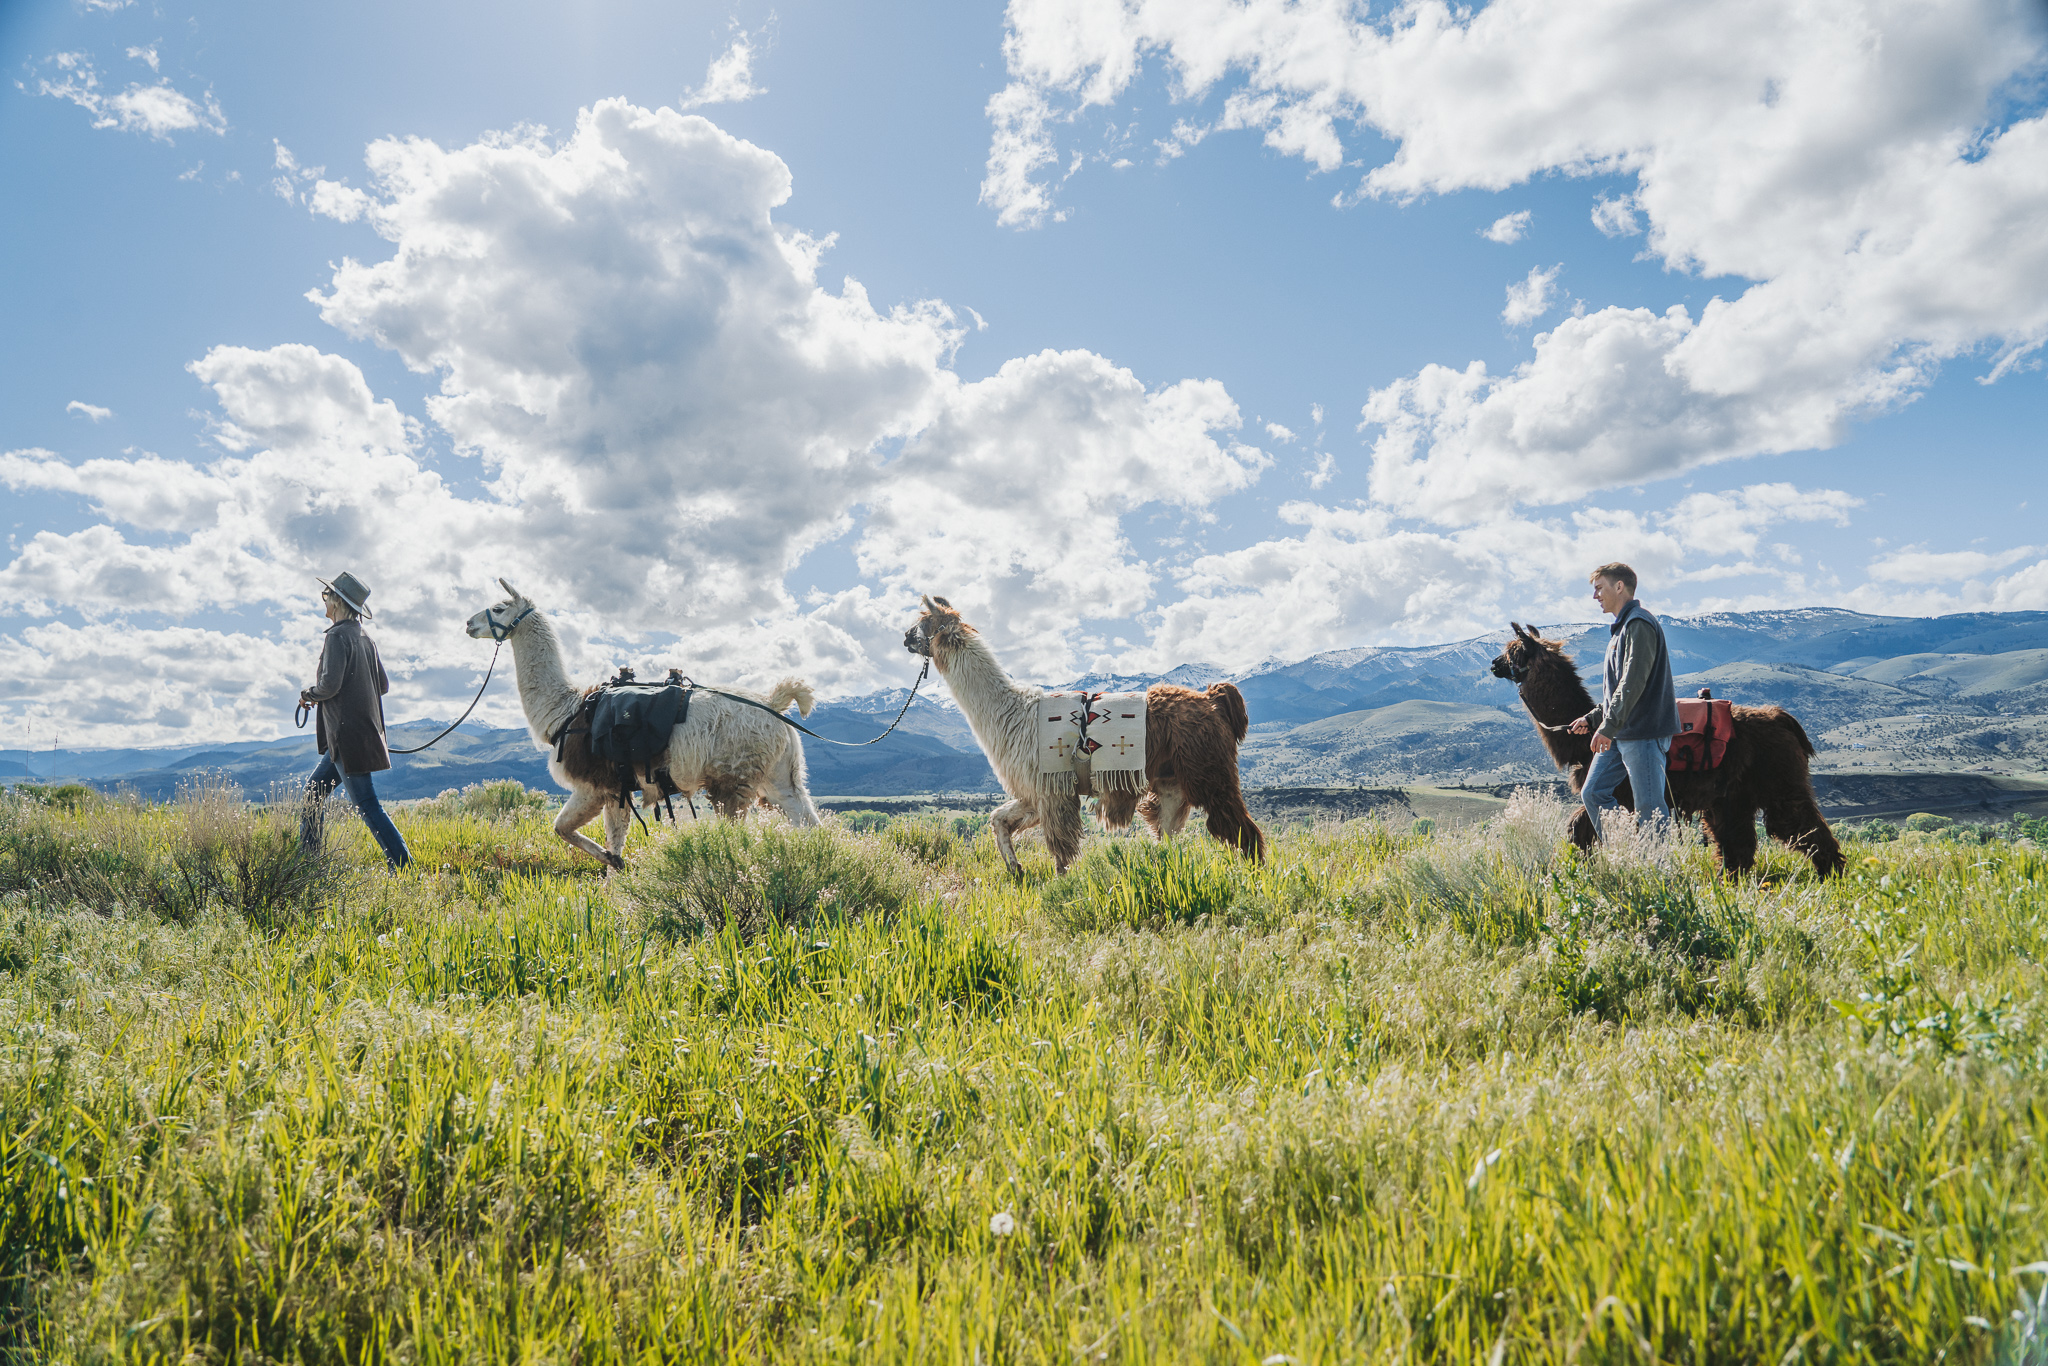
{"points": [[1642, 762], [363, 793]]}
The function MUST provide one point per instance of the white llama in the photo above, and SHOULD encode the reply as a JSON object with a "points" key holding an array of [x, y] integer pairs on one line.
{"points": [[741, 754], [1191, 741]]}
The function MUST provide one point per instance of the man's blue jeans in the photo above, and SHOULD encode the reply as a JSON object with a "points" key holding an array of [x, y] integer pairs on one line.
{"points": [[363, 793], [1642, 763]]}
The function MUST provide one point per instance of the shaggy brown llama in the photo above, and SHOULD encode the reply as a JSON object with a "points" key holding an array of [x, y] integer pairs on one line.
{"points": [[1190, 749], [1765, 766]]}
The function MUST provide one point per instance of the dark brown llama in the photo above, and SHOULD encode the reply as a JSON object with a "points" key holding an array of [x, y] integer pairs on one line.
{"points": [[1765, 767], [1190, 748]]}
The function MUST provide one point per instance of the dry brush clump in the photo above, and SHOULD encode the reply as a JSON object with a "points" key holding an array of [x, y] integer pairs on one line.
{"points": [[209, 847], [753, 874]]}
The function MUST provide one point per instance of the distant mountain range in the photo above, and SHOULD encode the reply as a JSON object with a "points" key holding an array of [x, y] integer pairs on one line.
{"points": [[1962, 693]]}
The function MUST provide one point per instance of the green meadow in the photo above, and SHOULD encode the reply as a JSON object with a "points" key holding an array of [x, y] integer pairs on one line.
{"points": [[1400, 1094]]}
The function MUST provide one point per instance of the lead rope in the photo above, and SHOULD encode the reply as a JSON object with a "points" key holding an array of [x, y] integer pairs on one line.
{"points": [[922, 674], [1554, 730], [500, 634], [465, 715]]}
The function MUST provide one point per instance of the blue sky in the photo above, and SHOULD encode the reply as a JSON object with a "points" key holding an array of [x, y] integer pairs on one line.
{"points": [[1159, 350]]}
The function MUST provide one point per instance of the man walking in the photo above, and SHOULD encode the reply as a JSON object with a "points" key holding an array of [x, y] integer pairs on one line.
{"points": [[1638, 713], [349, 697]]}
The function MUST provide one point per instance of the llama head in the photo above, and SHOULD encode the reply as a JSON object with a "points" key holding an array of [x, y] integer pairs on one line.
{"points": [[1526, 652], [498, 622], [938, 625]]}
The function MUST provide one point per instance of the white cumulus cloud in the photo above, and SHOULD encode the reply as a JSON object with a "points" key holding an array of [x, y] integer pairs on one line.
{"points": [[1354, 572], [1531, 298], [291, 177], [730, 77], [1616, 217], [1509, 228], [92, 412], [668, 410], [156, 110], [1856, 160]]}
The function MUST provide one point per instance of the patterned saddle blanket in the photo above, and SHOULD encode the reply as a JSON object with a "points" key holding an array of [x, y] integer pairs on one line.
{"points": [[1091, 742]]}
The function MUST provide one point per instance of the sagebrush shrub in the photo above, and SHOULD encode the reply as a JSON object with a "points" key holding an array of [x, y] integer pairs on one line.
{"points": [[169, 862], [927, 840], [864, 821], [1134, 884], [507, 799], [714, 873]]}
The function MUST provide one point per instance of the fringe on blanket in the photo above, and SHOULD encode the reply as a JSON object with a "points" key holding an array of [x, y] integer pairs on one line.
{"points": [[1061, 783], [1056, 784]]}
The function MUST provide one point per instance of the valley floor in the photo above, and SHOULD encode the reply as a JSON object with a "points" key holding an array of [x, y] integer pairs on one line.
{"points": [[1399, 1094]]}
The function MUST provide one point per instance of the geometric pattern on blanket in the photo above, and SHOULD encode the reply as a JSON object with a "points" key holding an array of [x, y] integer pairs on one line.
{"points": [[1104, 731]]}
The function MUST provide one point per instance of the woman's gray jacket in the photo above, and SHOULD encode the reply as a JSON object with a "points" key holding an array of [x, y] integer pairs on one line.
{"points": [[350, 695]]}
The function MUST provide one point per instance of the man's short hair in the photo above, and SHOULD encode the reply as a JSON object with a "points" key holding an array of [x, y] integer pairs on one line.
{"points": [[1617, 572]]}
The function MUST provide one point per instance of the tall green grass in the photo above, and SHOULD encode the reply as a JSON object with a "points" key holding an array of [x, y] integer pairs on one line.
{"points": [[1396, 1095]]}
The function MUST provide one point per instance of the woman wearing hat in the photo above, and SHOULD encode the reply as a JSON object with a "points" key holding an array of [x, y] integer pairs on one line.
{"points": [[349, 697]]}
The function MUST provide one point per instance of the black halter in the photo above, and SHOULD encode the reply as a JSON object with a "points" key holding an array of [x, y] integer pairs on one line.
{"points": [[501, 634]]}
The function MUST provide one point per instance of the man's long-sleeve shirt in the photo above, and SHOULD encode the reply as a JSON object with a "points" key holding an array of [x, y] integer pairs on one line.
{"points": [[1638, 656]]}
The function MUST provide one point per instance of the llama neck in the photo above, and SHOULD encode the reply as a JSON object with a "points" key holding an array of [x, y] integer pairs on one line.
{"points": [[988, 697], [545, 692], [1555, 696]]}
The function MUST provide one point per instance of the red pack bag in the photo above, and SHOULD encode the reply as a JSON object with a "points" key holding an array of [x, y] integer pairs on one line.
{"points": [[1705, 726]]}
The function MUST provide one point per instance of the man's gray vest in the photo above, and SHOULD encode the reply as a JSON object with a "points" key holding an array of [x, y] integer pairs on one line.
{"points": [[1656, 711]]}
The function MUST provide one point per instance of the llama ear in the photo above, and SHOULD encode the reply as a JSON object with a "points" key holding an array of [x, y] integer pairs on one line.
{"points": [[1519, 632], [509, 589], [927, 598], [943, 604]]}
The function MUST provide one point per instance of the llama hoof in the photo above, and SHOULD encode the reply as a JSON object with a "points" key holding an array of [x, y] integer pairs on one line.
{"points": [[614, 862]]}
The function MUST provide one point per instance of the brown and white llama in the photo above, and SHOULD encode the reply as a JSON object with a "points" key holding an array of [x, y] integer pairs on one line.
{"points": [[1190, 749], [739, 754], [1765, 766]]}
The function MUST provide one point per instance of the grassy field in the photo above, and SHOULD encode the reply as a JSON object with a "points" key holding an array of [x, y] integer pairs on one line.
{"points": [[1396, 1096]]}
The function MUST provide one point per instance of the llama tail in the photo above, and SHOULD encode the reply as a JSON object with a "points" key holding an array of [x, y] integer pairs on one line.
{"points": [[792, 690], [1229, 704], [1791, 723]]}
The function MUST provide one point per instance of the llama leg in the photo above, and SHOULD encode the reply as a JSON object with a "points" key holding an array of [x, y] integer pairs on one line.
{"points": [[1797, 821], [618, 823], [1217, 792], [730, 797], [1581, 830], [584, 803], [1115, 809], [1168, 810], [1006, 820], [786, 790], [1062, 817], [1732, 823], [1232, 823]]}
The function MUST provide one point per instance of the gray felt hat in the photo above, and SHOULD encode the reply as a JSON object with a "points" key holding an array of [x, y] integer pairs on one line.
{"points": [[350, 590]]}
